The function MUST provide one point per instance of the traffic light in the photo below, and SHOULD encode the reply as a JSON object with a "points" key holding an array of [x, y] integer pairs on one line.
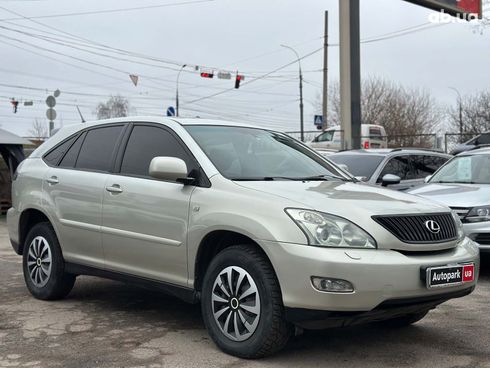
{"points": [[207, 75], [14, 104], [238, 79]]}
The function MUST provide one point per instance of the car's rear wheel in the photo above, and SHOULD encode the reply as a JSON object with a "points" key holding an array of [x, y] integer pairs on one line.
{"points": [[43, 264], [242, 304], [405, 320]]}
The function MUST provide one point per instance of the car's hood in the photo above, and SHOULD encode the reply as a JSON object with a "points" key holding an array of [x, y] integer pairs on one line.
{"points": [[455, 195], [349, 200]]}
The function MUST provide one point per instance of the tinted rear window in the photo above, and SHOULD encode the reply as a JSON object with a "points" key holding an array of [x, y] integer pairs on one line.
{"points": [[359, 165], [98, 148], [55, 155]]}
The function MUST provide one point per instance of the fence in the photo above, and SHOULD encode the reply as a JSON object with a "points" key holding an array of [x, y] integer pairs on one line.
{"points": [[451, 140]]}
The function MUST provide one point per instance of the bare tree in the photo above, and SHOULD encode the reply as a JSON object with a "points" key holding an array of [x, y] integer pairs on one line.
{"points": [[405, 113], [115, 107], [475, 115], [39, 130]]}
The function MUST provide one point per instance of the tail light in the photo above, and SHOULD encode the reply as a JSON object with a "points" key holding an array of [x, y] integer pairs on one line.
{"points": [[366, 145]]}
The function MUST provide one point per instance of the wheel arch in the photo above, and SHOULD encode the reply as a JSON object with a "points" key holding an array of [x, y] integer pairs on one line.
{"points": [[28, 218], [213, 243]]}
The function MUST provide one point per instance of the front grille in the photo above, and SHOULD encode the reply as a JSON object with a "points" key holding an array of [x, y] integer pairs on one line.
{"points": [[483, 238], [413, 229]]}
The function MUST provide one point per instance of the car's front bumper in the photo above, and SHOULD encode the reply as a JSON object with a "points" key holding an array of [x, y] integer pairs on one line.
{"points": [[378, 276], [480, 233]]}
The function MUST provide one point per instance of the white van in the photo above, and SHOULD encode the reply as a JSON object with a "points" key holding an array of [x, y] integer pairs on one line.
{"points": [[372, 136]]}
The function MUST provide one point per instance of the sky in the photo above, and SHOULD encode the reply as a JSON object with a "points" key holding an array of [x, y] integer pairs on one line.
{"points": [[87, 49]]}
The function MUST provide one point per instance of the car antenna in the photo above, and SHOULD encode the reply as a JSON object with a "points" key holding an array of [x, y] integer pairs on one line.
{"points": [[80, 113]]}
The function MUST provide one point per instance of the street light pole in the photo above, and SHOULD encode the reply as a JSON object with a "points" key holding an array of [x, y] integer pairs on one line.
{"points": [[460, 103], [177, 91], [301, 110]]}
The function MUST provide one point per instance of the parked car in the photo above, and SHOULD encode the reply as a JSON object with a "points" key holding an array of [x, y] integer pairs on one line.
{"points": [[372, 136], [261, 230], [481, 140], [464, 185], [398, 169]]}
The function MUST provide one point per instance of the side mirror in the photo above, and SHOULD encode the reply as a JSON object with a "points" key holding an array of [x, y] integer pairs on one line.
{"points": [[427, 178], [315, 139], [168, 168], [390, 179]]}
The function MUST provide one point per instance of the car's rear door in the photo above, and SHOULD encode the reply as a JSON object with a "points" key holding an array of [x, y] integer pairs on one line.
{"points": [[425, 165], [144, 225], [74, 186]]}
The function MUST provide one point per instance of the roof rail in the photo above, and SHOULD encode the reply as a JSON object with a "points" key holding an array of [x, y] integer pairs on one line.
{"points": [[417, 149]]}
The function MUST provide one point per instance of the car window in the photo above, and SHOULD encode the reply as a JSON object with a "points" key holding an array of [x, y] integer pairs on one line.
{"points": [[98, 148], [54, 156], [359, 165], [468, 169], [399, 166], [70, 158], [147, 142], [326, 137], [375, 133], [256, 154], [425, 165]]}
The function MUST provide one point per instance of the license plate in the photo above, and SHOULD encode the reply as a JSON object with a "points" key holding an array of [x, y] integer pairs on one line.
{"points": [[450, 275]]}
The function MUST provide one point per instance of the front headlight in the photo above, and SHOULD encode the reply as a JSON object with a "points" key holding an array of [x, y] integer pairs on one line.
{"points": [[326, 230], [459, 226], [478, 214]]}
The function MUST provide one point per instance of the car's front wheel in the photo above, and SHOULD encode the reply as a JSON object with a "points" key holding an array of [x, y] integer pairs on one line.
{"points": [[43, 264], [242, 304]]}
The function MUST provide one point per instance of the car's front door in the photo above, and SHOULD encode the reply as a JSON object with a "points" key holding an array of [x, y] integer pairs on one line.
{"points": [[144, 223], [401, 167], [74, 189]]}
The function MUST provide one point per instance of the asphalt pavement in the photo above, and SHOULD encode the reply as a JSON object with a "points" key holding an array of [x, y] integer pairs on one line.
{"points": [[110, 324]]}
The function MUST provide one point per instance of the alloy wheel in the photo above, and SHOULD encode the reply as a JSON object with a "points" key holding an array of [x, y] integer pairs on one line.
{"points": [[39, 261], [236, 303]]}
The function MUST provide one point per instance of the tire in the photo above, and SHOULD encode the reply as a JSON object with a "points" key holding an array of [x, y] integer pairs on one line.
{"points": [[267, 331], [49, 280], [406, 320]]}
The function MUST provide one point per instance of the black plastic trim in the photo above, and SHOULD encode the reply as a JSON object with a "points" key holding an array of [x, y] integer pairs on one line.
{"points": [[186, 294], [319, 319]]}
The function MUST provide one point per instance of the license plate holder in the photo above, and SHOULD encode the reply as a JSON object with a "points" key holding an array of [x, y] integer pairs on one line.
{"points": [[449, 275]]}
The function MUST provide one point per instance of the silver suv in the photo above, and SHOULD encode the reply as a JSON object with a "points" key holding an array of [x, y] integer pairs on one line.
{"points": [[261, 230]]}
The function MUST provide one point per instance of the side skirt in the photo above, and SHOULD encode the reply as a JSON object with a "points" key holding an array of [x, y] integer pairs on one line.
{"points": [[186, 294]]}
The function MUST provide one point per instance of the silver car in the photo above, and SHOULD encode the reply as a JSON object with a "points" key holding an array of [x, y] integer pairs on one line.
{"points": [[464, 185], [264, 232]]}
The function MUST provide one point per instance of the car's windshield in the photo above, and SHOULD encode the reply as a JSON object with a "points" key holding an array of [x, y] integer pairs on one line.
{"points": [[474, 169], [255, 154], [358, 165]]}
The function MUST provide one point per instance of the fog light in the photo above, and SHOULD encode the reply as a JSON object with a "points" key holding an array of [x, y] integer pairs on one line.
{"points": [[332, 285]]}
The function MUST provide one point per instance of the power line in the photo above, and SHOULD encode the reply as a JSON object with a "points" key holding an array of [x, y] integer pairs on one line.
{"points": [[120, 10]]}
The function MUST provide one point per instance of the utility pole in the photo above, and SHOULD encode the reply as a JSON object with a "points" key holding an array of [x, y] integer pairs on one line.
{"points": [[460, 103], [350, 73], [177, 91], [325, 74], [301, 112]]}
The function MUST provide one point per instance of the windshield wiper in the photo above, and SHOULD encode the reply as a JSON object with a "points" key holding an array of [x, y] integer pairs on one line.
{"points": [[306, 178]]}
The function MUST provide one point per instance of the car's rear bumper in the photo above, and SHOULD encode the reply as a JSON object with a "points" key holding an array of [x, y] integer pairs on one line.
{"points": [[480, 233], [378, 276]]}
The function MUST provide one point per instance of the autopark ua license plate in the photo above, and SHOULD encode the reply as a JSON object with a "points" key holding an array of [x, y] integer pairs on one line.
{"points": [[450, 275]]}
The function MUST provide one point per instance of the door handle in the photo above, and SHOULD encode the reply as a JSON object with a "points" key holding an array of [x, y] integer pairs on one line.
{"points": [[53, 180], [114, 189]]}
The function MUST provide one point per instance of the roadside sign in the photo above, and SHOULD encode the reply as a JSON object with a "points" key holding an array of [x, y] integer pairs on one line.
{"points": [[51, 114], [51, 101], [318, 120], [171, 111], [468, 9]]}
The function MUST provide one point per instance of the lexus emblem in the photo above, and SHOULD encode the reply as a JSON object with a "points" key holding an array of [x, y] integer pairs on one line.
{"points": [[433, 227]]}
